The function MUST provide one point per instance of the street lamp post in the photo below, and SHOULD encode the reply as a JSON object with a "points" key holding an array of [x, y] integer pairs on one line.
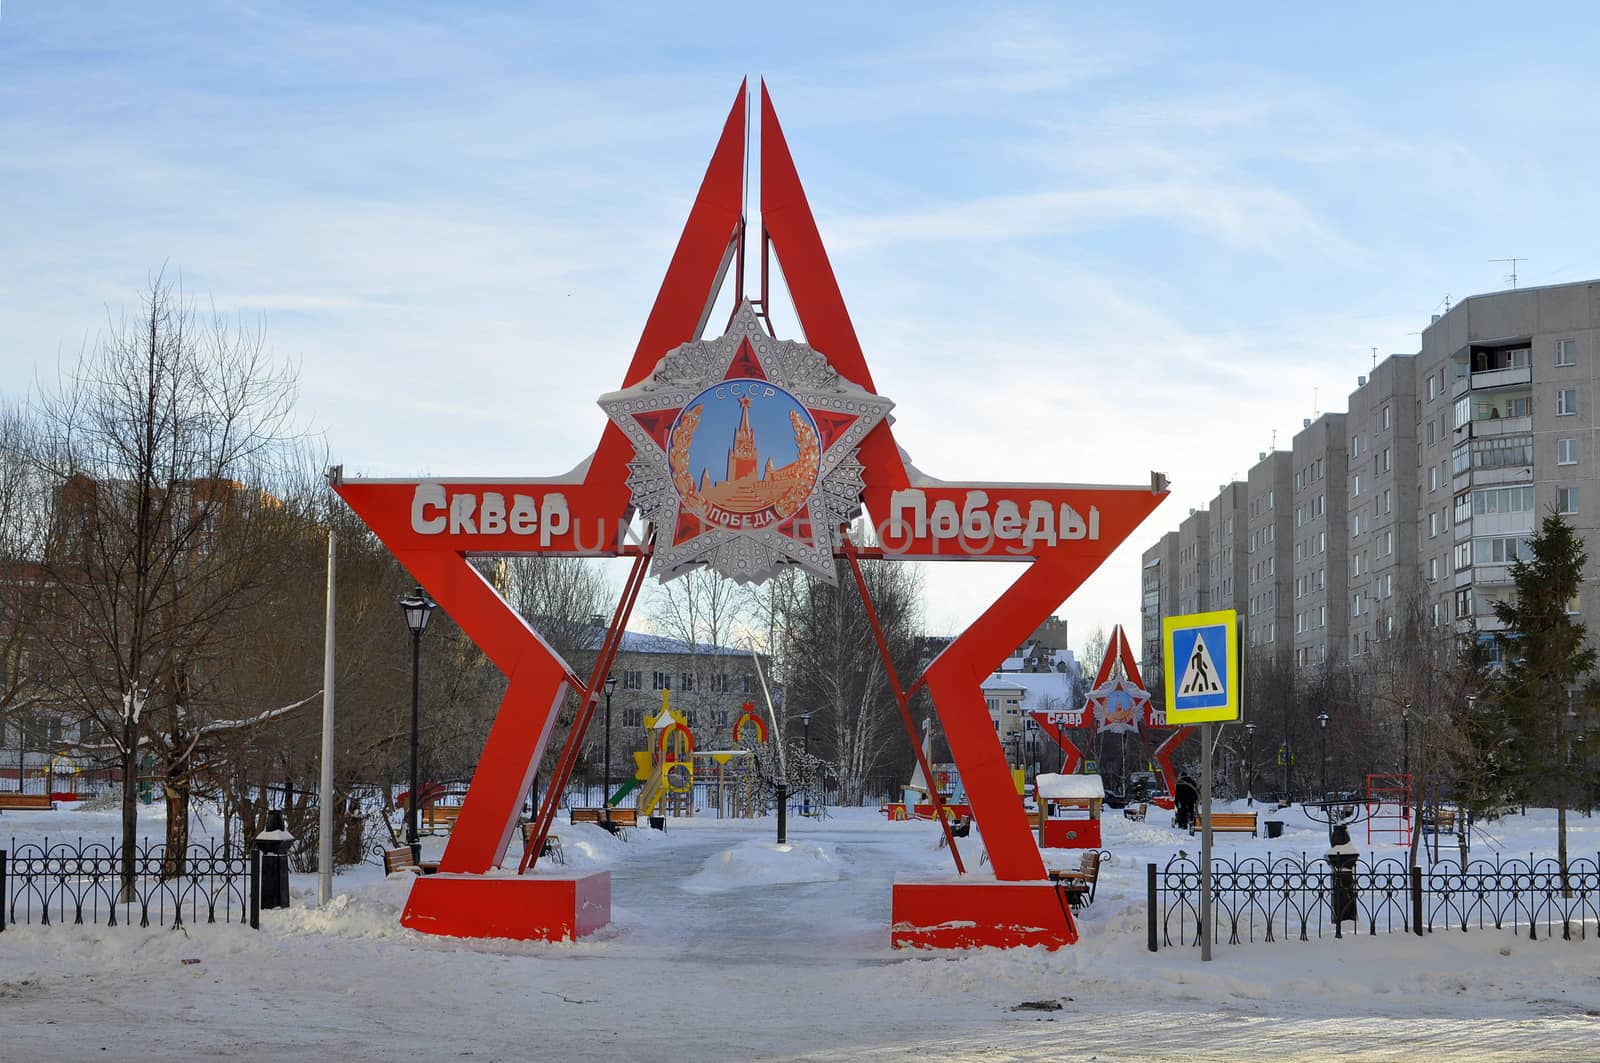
{"points": [[1249, 764], [417, 608], [1322, 719], [605, 794], [1287, 752], [1405, 742], [805, 725]]}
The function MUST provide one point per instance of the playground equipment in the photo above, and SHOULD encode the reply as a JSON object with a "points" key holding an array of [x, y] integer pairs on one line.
{"points": [[1389, 810], [1120, 704], [1069, 810], [666, 769]]}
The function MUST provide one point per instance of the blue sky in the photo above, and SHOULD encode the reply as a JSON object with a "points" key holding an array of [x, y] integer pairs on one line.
{"points": [[1078, 245]]}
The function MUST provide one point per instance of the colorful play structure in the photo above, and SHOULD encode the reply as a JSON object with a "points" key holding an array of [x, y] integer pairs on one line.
{"points": [[665, 774], [818, 397]]}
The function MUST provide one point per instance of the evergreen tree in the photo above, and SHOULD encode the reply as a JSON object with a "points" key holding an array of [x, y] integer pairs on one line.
{"points": [[1547, 658]]}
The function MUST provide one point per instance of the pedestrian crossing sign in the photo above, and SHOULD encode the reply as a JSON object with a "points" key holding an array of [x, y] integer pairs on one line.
{"points": [[1201, 670]]}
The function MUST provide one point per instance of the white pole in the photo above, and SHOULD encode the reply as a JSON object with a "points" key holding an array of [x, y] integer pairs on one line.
{"points": [[325, 796]]}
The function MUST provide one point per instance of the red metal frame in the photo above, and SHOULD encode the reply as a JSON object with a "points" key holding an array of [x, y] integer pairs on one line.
{"points": [[585, 514]]}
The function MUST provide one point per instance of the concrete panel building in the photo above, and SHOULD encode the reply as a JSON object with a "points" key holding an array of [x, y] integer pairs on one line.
{"points": [[1228, 566], [1158, 598], [1383, 502], [1194, 563], [1521, 373], [1269, 616], [1321, 580]]}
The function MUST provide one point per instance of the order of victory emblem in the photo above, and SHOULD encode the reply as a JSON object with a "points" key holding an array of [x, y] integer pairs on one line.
{"points": [[745, 452]]}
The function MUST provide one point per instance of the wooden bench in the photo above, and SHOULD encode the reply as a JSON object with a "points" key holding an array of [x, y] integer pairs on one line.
{"points": [[26, 802], [1228, 823], [616, 820], [401, 859], [436, 816], [1136, 814], [1079, 885], [552, 844]]}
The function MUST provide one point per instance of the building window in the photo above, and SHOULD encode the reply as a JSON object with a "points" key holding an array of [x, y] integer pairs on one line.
{"points": [[1567, 402], [632, 679], [1433, 387], [1386, 418], [1431, 436], [1433, 569], [660, 681], [1566, 452], [1566, 352], [1355, 605], [1386, 546], [1463, 603], [1433, 525], [1463, 508], [1463, 556], [1388, 500], [633, 717], [1355, 526], [1566, 500], [688, 681], [1355, 486], [1433, 478], [1386, 459], [719, 683], [1502, 500], [747, 684], [1437, 614], [1501, 550]]}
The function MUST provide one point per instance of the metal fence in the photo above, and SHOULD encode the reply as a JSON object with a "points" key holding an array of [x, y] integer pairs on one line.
{"points": [[80, 883], [1291, 898]]}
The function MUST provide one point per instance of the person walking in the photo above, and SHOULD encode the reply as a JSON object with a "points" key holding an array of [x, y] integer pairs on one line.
{"points": [[1184, 798]]}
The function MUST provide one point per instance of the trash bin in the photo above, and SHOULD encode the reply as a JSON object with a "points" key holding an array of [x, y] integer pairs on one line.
{"points": [[1342, 857], [1274, 828], [274, 845]]}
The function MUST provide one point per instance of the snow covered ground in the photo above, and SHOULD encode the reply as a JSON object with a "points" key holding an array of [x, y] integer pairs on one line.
{"points": [[724, 945]]}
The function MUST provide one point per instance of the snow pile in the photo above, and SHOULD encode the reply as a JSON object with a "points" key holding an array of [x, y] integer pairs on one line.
{"points": [[761, 863]]}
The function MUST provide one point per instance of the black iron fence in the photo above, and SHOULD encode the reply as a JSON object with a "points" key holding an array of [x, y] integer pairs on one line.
{"points": [[80, 883], [1292, 898]]}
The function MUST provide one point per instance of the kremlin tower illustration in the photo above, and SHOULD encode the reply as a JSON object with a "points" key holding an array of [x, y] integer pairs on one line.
{"points": [[749, 487]]}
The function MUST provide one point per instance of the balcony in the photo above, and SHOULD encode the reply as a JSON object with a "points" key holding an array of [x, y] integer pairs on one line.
{"points": [[1500, 378], [1494, 427]]}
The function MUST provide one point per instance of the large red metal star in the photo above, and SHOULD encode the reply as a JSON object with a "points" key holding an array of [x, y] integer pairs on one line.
{"points": [[1062, 532]]}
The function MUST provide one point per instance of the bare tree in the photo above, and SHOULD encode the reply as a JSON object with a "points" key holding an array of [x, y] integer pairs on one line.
{"points": [[835, 669], [164, 454]]}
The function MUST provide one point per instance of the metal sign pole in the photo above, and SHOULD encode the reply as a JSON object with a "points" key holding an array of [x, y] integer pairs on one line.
{"points": [[325, 794], [1205, 841]]}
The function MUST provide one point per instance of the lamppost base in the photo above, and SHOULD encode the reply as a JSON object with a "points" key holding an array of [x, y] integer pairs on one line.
{"points": [[526, 907], [953, 914]]}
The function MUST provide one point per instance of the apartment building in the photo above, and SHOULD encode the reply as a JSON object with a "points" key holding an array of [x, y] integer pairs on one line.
{"points": [[1269, 616], [1507, 384], [1384, 507], [1194, 568], [1421, 496], [1227, 567], [1320, 570], [1158, 597]]}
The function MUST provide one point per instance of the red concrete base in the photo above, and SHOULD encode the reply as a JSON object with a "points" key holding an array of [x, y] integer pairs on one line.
{"points": [[528, 907], [1072, 834], [978, 914]]}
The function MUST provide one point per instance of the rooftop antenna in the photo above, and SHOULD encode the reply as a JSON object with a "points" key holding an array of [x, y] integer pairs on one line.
{"points": [[1512, 276], [1274, 439], [1374, 357]]}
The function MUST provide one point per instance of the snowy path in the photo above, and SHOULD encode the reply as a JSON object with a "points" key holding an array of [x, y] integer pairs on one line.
{"points": [[718, 951]]}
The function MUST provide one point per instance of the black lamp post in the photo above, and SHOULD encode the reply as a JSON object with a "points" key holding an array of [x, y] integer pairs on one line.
{"points": [[805, 724], [1405, 742], [1287, 751], [1249, 764], [1322, 718], [417, 607], [605, 794]]}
